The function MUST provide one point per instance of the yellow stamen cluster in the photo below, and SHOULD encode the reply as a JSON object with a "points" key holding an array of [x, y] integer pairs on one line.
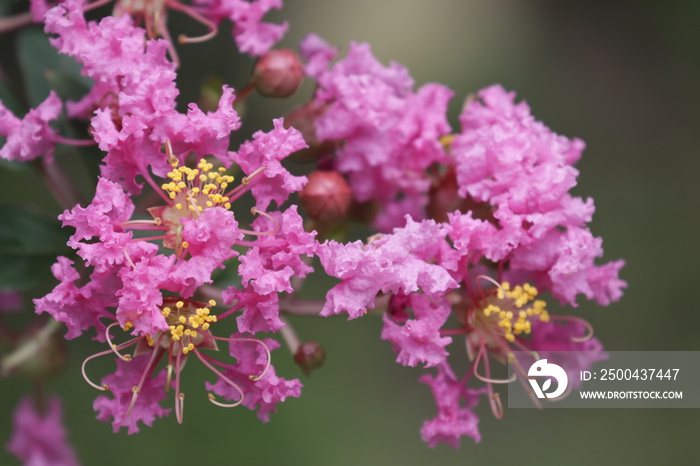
{"points": [[195, 189], [185, 324], [515, 306]]}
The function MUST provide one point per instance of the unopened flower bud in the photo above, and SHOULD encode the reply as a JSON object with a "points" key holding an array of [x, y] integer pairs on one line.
{"points": [[309, 357], [278, 73], [326, 197]]}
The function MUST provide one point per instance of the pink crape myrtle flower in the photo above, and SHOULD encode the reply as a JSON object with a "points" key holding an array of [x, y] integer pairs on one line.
{"points": [[39, 438], [133, 98], [32, 136], [455, 402], [507, 230], [252, 35], [149, 289], [387, 135], [267, 270]]}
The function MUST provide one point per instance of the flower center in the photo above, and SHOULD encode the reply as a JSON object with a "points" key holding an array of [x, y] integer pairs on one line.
{"points": [[188, 323], [192, 190], [512, 310]]}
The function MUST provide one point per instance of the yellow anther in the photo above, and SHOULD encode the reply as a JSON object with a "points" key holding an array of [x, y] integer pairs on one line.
{"points": [[179, 304], [212, 302], [185, 244], [172, 195], [191, 208], [178, 206], [166, 311], [128, 325], [182, 319], [205, 326], [185, 350]]}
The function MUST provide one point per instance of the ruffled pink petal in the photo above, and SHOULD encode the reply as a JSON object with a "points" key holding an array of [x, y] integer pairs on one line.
{"points": [[392, 263], [455, 403], [261, 395], [147, 407], [32, 136], [275, 183], [419, 340]]}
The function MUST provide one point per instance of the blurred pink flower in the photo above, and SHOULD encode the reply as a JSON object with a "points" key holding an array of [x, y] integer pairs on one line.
{"points": [[39, 439]]}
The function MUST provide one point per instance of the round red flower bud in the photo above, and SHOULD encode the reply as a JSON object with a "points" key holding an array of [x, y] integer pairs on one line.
{"points": [[309, 357], [278, 73], [326, 197]]}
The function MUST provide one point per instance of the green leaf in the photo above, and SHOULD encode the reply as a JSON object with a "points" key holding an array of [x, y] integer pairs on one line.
{"points": [[29, 245], [42, 65], [7, 96]]}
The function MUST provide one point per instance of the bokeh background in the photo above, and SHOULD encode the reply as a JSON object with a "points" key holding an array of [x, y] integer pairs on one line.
{"points": [[623, 76]]}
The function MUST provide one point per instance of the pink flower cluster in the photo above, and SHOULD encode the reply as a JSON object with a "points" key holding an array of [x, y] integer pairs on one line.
{"points": [[491, 225], [156, 291], [473, 225]]}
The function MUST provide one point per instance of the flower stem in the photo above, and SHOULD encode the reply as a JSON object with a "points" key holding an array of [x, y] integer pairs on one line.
{"points": [[59, 184], [29, 349], [15, 22]]}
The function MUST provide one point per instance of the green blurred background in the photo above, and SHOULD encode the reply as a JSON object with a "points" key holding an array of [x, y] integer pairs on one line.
{"points": [[623, 77]]}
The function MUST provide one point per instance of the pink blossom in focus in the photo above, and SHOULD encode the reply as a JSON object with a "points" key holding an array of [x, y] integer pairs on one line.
{"points": [[455, 403], [147, 406]]}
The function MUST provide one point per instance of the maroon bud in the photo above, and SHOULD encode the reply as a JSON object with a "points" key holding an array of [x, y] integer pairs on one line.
{"points": [[278, 73], [309, 357], [326, 197]]}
